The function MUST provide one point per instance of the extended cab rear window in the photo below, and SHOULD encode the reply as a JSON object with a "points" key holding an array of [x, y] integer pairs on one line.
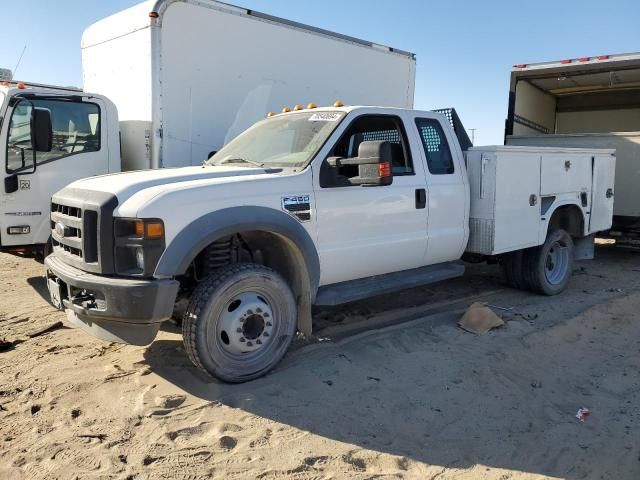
{"points": [[436, 148]]}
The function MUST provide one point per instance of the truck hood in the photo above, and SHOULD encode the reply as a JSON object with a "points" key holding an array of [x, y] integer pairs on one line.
{"points": [[124, 185]]}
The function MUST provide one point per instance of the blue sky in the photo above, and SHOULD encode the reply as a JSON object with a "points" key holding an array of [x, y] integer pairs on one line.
{"points": [[465, 48]]}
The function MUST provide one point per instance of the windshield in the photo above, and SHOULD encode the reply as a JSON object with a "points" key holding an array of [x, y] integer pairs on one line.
{"points": [[282, 141]]}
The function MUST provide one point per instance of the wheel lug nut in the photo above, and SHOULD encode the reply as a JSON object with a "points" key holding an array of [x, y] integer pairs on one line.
{"points": [[265, 315], [249, 344], [269, 324], [239, 330], [265, 334], [258, 310], [258, 342], [249, 312], [242, 340]]}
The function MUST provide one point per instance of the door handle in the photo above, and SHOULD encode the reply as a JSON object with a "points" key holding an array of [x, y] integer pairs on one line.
{"points": [[421, 198], [11, 184]]}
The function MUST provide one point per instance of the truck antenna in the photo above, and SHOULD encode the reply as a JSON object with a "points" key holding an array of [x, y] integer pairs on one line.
{"points": [[19, 60]]}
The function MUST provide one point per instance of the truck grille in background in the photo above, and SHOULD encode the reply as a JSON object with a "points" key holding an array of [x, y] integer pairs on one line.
{"points": [[74, 222]]}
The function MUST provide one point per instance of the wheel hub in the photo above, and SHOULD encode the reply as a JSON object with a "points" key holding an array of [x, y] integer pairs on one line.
{"points": [[557, 263], [246, 324]]}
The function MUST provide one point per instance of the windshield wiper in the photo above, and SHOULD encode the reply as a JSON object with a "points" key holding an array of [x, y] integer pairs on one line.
{"points": [[239, 160]]}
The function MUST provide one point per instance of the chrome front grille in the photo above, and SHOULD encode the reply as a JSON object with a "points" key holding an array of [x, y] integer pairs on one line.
{"points": [[66, 229], [82, 229]]}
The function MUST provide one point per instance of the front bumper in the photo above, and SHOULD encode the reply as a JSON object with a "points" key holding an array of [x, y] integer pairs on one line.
{"points": [[114, 309]]}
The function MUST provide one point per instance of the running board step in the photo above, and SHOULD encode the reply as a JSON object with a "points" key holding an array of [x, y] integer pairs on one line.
{"points": [[353, 290]]}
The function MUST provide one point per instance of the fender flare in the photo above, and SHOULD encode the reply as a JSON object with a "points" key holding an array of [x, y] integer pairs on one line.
{"points": [[184, 248]]}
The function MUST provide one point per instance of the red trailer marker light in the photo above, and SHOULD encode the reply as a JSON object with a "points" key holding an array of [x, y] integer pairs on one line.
{"points": [[603, 57], [565, 62], [584, 59]]}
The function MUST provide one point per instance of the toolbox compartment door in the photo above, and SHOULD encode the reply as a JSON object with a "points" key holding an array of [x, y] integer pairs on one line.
{"points": [[603, 193], [563, 173]]}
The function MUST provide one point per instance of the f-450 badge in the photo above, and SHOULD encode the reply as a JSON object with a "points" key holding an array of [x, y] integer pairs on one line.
{"points": [[298, 206]]}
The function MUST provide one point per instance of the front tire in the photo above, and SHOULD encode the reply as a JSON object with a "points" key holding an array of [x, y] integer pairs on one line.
{"points": [[548, 268], [239, 322]]}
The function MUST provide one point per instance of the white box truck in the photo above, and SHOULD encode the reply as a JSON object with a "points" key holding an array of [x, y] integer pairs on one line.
{"points": [[590, 102], [314, 207], [190, 75], [185, 77]]}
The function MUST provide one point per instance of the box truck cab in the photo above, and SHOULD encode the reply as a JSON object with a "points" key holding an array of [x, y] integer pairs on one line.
{"points": [[83, 140]]}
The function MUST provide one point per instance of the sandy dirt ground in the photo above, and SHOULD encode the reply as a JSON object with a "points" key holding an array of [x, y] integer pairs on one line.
{"points": [[388, 388]]}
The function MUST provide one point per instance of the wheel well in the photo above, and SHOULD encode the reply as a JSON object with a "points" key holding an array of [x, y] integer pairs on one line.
{"points": [[569, 218], [266, 248]]}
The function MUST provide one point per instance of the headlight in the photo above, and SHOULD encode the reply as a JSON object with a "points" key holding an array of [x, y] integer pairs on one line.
{"points": [[138, 245], [149, 229]]}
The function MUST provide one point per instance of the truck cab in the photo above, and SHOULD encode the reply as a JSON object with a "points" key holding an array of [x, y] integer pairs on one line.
{"points": [[81, 139], [316, 206]]}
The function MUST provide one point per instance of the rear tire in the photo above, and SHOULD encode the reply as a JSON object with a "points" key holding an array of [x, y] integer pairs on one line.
{"points": [[548, 268], [239, 322], [511, 264]]}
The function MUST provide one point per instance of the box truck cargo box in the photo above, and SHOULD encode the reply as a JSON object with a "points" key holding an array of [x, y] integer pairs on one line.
{"points": [[187, 76]]}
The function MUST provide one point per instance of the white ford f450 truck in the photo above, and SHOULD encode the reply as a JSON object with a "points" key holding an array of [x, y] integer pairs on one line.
{"points": [[314, 207]]}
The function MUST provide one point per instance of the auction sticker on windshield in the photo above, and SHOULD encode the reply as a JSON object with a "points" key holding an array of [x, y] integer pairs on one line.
{"points": [[325, 117]]}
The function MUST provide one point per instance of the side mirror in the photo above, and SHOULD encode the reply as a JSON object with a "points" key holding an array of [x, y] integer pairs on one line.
{"points": [[41, 130], [373, 163]]}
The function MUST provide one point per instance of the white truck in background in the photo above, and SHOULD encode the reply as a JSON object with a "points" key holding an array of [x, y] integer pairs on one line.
{"points": [[589, 102], [185, 77], [314, 207]]}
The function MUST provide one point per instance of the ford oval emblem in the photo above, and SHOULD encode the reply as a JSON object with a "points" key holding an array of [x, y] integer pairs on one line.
{"points": [[60, 229]]}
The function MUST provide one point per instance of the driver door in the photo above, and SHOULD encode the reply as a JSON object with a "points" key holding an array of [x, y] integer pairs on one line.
{"points": [[365, 230]]}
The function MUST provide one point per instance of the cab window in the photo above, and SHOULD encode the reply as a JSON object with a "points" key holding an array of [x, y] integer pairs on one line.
{"points": [[436, 149], [384, 128], [75, 125]]}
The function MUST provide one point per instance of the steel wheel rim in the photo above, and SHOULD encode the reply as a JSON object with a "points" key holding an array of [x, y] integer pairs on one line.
{"points": [[556, 263], [254, 357]]}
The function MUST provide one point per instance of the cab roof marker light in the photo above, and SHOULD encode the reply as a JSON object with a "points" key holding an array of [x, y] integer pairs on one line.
{"points": [[271, 114], [286, 110], [297, 108], [21, 85], [521, 65], [338, 104], [153, 15], [311, 106]]}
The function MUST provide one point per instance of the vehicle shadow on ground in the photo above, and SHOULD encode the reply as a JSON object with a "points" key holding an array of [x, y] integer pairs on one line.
{"points": [[39, 284], [405, 392]]}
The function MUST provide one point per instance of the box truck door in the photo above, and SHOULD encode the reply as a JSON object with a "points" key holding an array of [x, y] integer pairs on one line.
{"points": [[602, 199], [77, 149]]}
